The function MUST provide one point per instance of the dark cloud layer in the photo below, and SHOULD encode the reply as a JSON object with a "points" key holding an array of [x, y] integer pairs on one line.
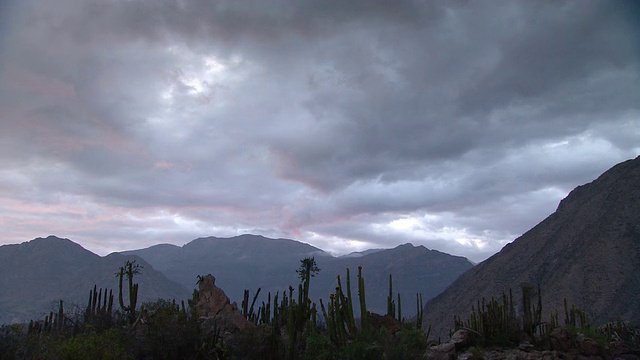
{"points": [[457, 125]]}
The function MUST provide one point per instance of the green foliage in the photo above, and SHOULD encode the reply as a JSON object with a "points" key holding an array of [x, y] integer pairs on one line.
{"points": [[308, 268], [108, 345], [169, 332]]}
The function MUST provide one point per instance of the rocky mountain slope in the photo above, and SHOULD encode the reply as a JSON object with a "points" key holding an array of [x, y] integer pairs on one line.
{"points": [[252, 262], [38, 273], [588, 252]]}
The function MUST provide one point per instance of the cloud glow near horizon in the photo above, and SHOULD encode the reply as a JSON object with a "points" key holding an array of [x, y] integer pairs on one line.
{"points": [[347, 125]]}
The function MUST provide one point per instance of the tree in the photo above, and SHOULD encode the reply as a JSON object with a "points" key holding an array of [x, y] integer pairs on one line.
{"points": [[308, 269]]}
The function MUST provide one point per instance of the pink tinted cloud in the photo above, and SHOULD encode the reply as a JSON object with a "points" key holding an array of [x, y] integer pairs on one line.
{"points": [[164, 165], [40, 85]]}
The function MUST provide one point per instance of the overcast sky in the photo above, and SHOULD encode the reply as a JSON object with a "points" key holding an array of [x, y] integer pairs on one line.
{"points": [[457, 125]]}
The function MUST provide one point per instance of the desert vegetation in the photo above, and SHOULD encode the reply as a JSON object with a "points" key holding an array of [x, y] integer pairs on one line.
{"points": [[288, 325], [285, 325]]}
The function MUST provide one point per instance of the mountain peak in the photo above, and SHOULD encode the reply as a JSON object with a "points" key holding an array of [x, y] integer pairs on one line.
{"points": [[588, 252]]}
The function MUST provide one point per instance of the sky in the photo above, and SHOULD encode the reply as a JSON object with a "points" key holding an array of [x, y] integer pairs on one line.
{"points": [[457, 125]]}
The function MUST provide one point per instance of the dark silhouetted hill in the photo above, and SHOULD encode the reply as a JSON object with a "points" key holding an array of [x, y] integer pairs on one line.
{"points": [[38, 273], [250, 262], [588, 252]]}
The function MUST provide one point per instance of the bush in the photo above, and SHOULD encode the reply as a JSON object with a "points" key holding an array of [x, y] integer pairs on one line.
{"points": [[109, 345]]}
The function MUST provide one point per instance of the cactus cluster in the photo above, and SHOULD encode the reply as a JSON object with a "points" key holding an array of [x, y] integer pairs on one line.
{"points": [[493, 322], [286, 324], [575, 317], [247, 311], [496, 321], [100, 307], [55, 322], [338, 315]]}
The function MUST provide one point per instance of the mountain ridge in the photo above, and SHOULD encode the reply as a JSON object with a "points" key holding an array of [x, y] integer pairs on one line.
{"points": [[39, 273], [266, 264], [587, 251], [66, 270]]}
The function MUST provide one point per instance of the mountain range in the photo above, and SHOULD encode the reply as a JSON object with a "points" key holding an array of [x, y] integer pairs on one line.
{"points": [[587, 251], [252, 262], [38, 273]]}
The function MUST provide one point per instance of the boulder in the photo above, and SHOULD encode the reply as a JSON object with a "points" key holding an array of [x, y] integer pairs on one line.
{"points": [[215, 308], [444, 351], [560, 339], [461, 339], [587, 346]]}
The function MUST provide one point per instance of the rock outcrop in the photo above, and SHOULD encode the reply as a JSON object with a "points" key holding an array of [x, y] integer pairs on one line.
{"points": [[214, 307], [588, 252]]}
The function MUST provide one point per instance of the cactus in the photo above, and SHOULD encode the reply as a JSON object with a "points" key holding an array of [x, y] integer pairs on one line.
{"points": [[420, 312], [291, 328], [245, 304], [328, 320], [400, 310], [276, 313], [391, 306], [532, 314], [99, 307], [130, 269], [351, 321], [61, 319], [308, 269], [252, 316], [363, 304]]}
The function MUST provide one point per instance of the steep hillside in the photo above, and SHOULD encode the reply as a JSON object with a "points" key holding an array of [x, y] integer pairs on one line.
{"points": [[38, 273], [588, 251]]}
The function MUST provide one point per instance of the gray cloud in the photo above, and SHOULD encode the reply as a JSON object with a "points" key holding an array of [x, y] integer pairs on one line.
{"points": [[457, 125]]}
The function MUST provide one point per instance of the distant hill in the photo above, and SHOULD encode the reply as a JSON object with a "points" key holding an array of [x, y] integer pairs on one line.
{"points": [[360, 253], [238, 263], [35, 275], [588, 252], [251, 261], [38, 273]]}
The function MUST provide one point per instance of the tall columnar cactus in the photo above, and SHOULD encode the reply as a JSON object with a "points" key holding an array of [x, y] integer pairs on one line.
{"points": [[99, 307], [399, 309], [129, 269], [363, 304], [532, 313], [291, 325], [346, 305], [420, 312], [391, 306], [350, 301], [61, 318]]}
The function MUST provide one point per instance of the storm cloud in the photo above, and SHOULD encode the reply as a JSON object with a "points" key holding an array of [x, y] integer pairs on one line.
{"points": [[345, 124]]}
